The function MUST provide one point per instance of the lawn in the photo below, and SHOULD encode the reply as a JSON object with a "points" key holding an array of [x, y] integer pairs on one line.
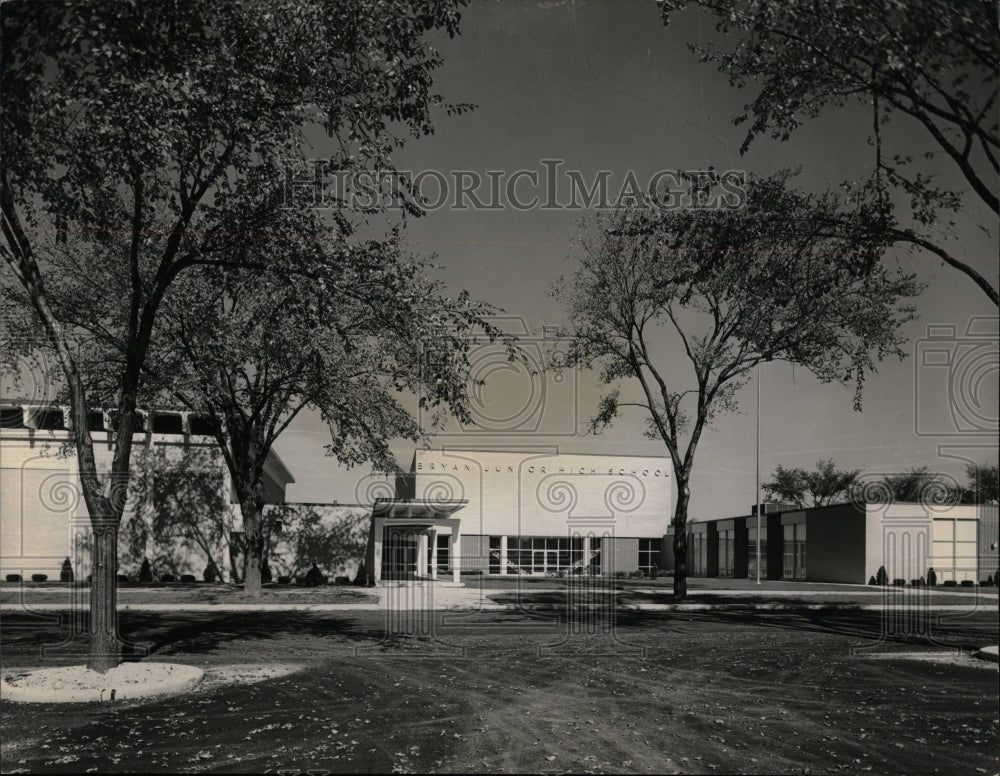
{"points": [[636, 692], [193, 593]]}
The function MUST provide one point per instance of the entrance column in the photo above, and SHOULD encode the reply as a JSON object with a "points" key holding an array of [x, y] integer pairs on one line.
{"points": [[503, 555], [434, 554], [421, 569], [454, 554]]}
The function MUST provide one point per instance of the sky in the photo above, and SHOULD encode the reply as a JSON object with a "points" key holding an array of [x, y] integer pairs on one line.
{"points": [[589, 86]]}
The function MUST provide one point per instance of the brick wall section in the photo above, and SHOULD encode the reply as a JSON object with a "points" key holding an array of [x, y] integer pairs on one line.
{"points": [[619, 554], [475, 553]]}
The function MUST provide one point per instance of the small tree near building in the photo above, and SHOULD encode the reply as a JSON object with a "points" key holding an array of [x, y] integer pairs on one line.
{"points": [[348, 328], [726, 290]]}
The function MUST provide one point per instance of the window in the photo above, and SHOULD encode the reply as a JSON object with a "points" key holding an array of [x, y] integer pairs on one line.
{"points": [[727, 553], [649, 554], [955, 550], [593, 563], [50, 420], [202, 425], [698, 555], [443, 560], [168, 423], [752, 553], [11, 418], [542, 554], [794, 551], [495, 554]]}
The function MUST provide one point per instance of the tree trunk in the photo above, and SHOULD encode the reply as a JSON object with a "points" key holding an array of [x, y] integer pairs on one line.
{"points": [[253, 528], [681, 541], [105, 645]]}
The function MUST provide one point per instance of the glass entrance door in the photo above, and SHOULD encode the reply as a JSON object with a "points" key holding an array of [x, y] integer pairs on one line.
{"points": [[399, 555]]}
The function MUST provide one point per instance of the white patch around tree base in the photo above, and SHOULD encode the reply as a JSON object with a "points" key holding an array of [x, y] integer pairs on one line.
{"points": [[78, 684]]}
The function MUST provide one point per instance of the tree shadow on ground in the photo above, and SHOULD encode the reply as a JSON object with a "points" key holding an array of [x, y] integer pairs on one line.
{"points": [[146, 634], [202, 633], [867, 627]]}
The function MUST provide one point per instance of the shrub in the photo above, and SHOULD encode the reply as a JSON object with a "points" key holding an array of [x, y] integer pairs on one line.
{"points": [[341, 580], [211, 573], [871, 581], [968, 583], [168, 578], [13, 577], [188, 578], [66, 572], [314, 577], [620, 575], [145, 572], [654, 573], [899, 583], [39, 577], [916, 582], [123, 579], [265, 573], [284, 580], [950, 583]]}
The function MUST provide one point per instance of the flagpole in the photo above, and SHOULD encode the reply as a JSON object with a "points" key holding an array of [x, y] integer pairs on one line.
{"points": [[757, 494]]}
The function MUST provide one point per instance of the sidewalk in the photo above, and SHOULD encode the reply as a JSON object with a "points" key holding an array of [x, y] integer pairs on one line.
{"points": [[430, 596]]}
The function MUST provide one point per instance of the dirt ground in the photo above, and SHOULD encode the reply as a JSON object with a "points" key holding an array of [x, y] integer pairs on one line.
{"points": [[518, 692]]}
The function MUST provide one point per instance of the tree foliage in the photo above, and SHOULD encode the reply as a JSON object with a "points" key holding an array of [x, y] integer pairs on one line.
{"points": [[824, 485], [916, 485], [348, 328], [920, 485], [983, 484], [138, 136], [727, 289], [932, 63]]}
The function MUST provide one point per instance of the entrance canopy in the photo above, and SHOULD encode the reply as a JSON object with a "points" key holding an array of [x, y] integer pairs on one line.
{"points": [[425, 509], [403, 542]]}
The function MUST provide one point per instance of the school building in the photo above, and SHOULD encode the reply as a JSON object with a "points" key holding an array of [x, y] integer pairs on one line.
{"points": [[521, 513], [43, 517], [848, 543]]}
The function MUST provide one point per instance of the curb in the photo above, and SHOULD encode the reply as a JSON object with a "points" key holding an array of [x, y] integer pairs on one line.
{"points": [[126, 682], [494, 607], [989, 653]]}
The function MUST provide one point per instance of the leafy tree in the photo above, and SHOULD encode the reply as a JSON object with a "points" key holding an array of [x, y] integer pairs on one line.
{"points": [[820, 487], [916, 485], [932, 63], [983, 484], [350, 330], [137, 135], [728, 289]]}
